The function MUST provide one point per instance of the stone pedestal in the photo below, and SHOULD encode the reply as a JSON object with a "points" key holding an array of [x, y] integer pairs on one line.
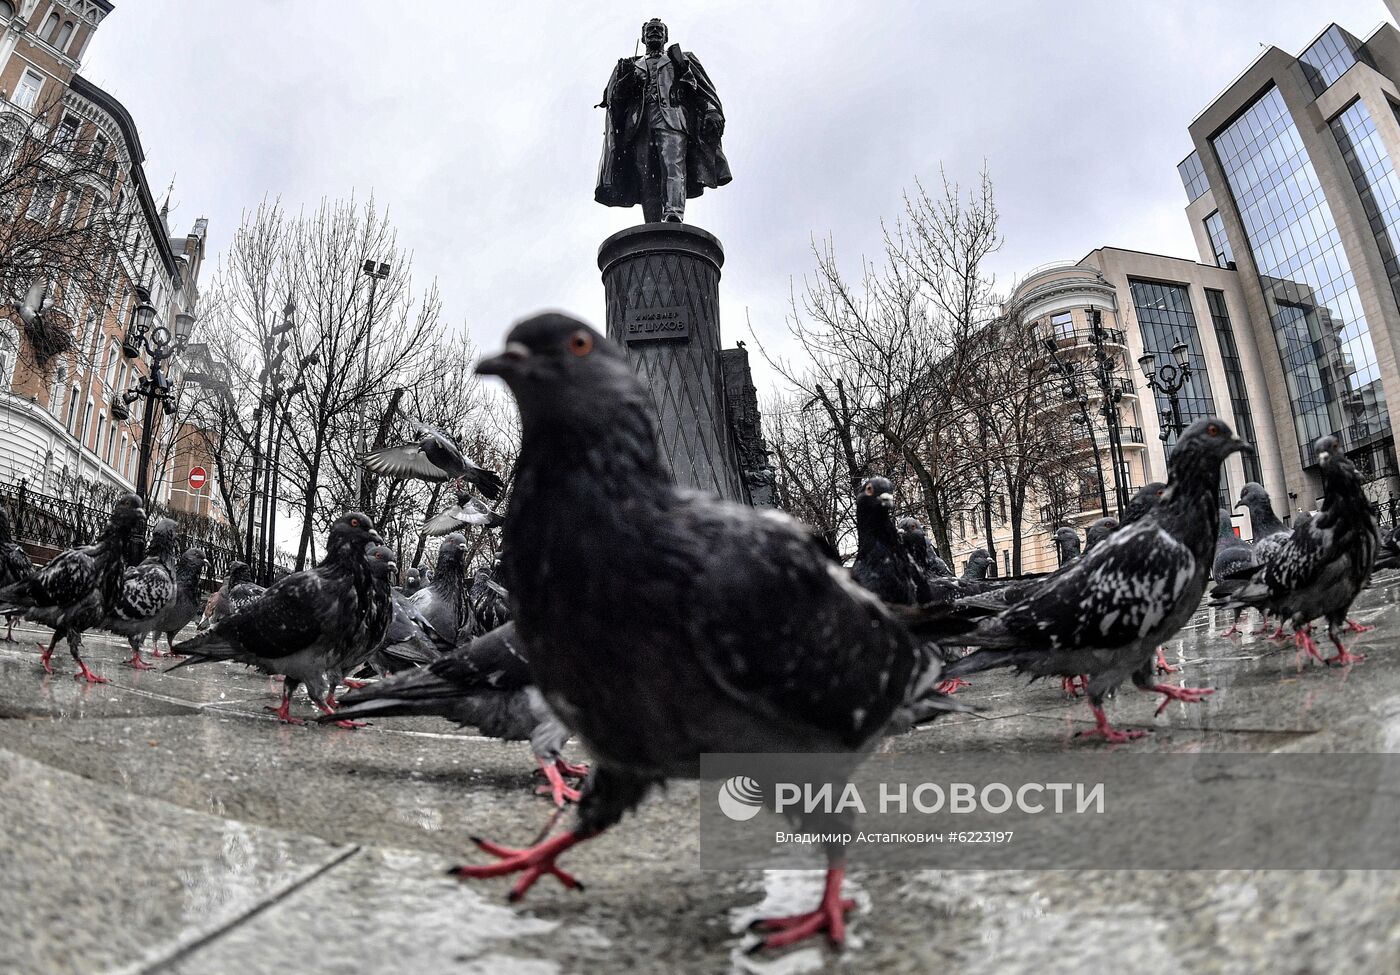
{"points": [[662, 286]]}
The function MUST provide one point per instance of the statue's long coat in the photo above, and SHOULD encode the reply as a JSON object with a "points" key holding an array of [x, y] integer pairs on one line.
{"points": [[618, 182]]}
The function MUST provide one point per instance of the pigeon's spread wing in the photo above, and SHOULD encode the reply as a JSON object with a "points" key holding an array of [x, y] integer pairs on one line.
{"points": [[1113, 596], [145, 590], [405, 461], [494, 660], [285, 619], [789, 633], [453, 518]]}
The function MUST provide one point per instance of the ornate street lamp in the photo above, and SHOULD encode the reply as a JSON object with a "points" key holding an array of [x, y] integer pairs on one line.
{"points": [[159, 344], [1168, 379]]}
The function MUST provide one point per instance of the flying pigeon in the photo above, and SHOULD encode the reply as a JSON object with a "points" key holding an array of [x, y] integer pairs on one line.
{"points": [[483, 683], [238, 591], [80, 586], [1232, 554], [1318, 568], [1109, 610], [444, 601], [1142, 502], [15, 566], [1068, 541], [916, 543], [431, 456], [1098, 530], [302, 623], [469, 510], [882, 564], [663, 623], [146, 590]]}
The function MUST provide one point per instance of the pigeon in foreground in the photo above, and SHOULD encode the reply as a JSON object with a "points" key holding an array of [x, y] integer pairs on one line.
{"points": [[147, 589], [302, 623], [469, 510], [238, 591], [882, 563], [1068, 541], [1318, 569], [15, 566], [663, 623], [916, 543], [444, 601], [484, 683], [79, 586], [431, 456], [1105, 615], [1098, 530]]}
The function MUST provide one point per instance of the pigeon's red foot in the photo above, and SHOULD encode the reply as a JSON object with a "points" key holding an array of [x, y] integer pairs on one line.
{"points": [[1232, 630], [1074, 686], [354, 684], [1344, 657], [46, 658], [1186, 695], [952, 685], [329, 708], [557, 789], [136, 661], [284, 712], [1302, 639], [1162, 666], [531, 863], [830, 916], [1355, 627], [87, 675], [1102, 729], [578, 771], [1278, 633]]}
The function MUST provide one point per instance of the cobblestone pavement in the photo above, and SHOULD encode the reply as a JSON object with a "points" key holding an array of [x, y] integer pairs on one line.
{"points": [[165, 822]]}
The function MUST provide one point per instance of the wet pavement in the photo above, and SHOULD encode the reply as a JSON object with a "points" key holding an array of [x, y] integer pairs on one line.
{"points": [[167, 823]]}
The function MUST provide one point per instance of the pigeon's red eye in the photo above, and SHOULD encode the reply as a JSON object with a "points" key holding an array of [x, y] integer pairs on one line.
{"points": [[580, 344], [870, 490], [1213, 430], [354, 523]]}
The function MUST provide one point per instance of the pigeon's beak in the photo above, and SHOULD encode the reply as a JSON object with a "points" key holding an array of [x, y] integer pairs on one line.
{"points": [[1243, 446], [504, 363], [1239, 503], [886, 499], [393, 570], [375, 537]]}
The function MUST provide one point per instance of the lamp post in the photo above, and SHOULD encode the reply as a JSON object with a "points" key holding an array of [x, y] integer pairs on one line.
{"points": [[159, 344], [1168, 379], [274, 485], [376, 271], [269, 391]]}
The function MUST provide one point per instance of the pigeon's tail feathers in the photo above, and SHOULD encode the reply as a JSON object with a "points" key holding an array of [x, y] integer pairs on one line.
{"points": [[190, 660], [17, 597], [413, 692], [488, 483], [978, 661], [935, 705], [206, 646]]}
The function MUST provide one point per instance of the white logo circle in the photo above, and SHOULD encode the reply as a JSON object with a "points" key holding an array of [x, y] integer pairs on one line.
{"points": [[740, 798]]}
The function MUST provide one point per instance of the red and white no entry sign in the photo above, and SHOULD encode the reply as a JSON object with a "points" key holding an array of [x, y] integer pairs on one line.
{"points": [[198, 477]]}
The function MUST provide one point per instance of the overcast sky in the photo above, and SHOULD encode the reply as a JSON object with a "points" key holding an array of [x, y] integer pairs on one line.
{"points": [[474, 123]]}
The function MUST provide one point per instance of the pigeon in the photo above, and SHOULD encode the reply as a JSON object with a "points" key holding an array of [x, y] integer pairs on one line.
{"points": [[469, 510], [443, 602], [916, 543], [882, 563], [409, 641], [1108, 611], [354, 654], [15, 566], [1269, 532], [431, 456], [238, 591], [1318, 569], [189, 570], [147, 589], [976, 566], [1232, 554], [1388, 555], [79, 587], [1142, 502], [490, 600], [484, 683], [1068, 541], [1098, 530], [303, 623], [412, 581], [664, 623]]}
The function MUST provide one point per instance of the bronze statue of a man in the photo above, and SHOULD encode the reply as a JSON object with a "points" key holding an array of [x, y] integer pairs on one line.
{"points": [[661, 139]]}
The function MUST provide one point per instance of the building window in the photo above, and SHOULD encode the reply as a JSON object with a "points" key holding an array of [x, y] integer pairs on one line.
{"points": [[70, 207], [66, 132], [97, 435], [64, 36], [72, 410], [1219, 242], [1193, 177], [111, 440], [1328, 58], [50, 28], [56, 390], [9, 352], [27, 90], [122, 458], [1320, 328], [1164, 316], [41, 202], [1234, 379], [1376, 183], [1062, 325], [7, 9]]}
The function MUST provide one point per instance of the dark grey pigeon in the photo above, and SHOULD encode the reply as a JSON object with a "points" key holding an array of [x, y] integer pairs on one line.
{"points": [[1142, 502], [1106, 614], [412, 581], [444, 601], [976, 566], [189, 570], [664, 624], [1068, 541], [1269, 532], [302, 623], [1232, 554], [79, 586], [882, 564], [408, 642], [1318, 568], [490, 600], [145, 591], [1098, 530], [916, 543], [431, 456], [483, 683], [15, 566], [238, 591], [468, 510]]}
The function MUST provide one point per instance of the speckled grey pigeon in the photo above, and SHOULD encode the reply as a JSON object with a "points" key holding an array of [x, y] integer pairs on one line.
{"points": [[483, 683], [1068, 541], [147, 589], [354, 654], [882, 564], [182, 610], [1106, 614], [408, 642], [468, 510], [444, 601], [1269, 531], [1098, 530], [79, 586], [431, 456], [304, 621], [15, 566], [663, 623], [1318, 568], [238, 591]]}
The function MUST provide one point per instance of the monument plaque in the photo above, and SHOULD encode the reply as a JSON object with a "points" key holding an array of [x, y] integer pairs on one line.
{"points": [[651, 324]]}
